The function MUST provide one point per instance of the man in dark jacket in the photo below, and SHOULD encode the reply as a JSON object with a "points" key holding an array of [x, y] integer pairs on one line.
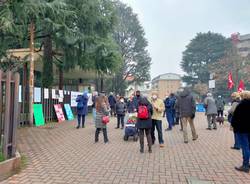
{"points": [[241, 126], [170, 110], [112, 102], [136, 99], [187, 107]]}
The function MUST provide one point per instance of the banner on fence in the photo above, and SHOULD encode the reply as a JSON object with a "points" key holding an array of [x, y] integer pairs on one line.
{"points": [[20, 94], [53, 94], [38, 114], [37, 95], [46, 93], [59, 112], [74, 95], [68, 111]]}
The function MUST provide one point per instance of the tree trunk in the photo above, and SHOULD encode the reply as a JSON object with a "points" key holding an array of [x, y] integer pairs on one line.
{"points": [[102, 84], [31, 76], [61, 78], [47, 80]]}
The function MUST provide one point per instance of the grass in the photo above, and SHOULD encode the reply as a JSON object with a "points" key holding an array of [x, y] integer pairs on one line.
{"points": [[1, 157]]}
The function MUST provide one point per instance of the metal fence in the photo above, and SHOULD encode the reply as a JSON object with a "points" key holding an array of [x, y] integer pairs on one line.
{"points": [[9, 86], [48, 101]]}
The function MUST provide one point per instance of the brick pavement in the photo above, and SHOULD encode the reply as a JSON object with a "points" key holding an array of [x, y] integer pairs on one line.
{"points": [[68, 156]]}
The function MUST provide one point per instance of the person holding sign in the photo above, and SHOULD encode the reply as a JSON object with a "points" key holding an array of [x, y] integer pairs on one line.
{"points": [[82, 108]]}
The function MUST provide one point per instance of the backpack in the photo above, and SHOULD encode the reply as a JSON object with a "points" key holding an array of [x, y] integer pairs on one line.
{"points": [[143, 112]]}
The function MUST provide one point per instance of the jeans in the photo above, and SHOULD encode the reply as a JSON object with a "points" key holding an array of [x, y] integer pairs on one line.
{"points": [[170, 119], [120, 120], [184, 122], [79, 117], [211, 120], [244, 143], [94, 114], [236, 140], [148, 135], [105, 134], [158, 125], [220, 113]]}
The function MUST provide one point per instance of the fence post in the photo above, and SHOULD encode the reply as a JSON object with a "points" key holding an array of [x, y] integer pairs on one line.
{"points": [[7, 114], [16, 113], [1, 108]]}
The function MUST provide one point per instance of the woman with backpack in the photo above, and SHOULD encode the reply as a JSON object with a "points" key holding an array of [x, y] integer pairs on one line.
{"points": [[144, 123], [102, 111], [82, 108]]}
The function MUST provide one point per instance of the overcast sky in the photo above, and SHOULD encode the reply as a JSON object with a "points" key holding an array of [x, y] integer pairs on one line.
{"points": [[171, 24]]}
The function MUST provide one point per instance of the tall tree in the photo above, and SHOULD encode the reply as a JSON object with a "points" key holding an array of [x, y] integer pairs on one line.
{"points": [[130, 37], [204, 49]]}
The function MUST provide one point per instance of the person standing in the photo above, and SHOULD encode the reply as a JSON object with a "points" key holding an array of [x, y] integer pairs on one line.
{"points": [[187, 107], [235, 102], [112, 102], [240, 124], [169, 108], [94, 96], [158, 108], [220, 104], [101, 111], [130, 105], [136, 99], [144, 122], [211, 111], [82, 109], [120, 112]]}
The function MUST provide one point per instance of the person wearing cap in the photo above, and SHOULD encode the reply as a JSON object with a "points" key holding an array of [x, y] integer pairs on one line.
{"points": [[241, 125], [235, 102], [211, 111], [158, 108]]}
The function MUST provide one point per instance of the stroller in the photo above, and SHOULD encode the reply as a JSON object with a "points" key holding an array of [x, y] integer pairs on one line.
{"points": [[130, 128]]}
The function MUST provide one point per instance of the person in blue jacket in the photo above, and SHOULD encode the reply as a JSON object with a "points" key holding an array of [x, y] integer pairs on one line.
{"points": [[170, 110], [82, 108]]}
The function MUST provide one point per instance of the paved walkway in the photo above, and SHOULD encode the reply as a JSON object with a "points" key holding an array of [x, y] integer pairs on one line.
{"points": [[68, 156]]}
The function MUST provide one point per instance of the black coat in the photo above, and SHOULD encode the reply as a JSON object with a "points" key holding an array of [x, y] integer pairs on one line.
{"points": [[241, 117], [145, 123]]}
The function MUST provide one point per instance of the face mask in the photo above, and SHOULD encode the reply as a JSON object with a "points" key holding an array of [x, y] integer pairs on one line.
{"points": [[122, 101], [154, 97], [138, 95]]}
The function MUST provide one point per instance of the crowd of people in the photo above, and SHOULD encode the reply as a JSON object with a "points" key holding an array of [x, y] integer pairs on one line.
{"points": [[178, 108]]}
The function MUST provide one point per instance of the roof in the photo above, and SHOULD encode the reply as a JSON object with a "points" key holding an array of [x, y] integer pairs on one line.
{"points": [[244, 37], [167, 76]]}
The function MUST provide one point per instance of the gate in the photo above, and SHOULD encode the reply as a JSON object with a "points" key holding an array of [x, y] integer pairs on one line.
{"points": [[9, 86]]}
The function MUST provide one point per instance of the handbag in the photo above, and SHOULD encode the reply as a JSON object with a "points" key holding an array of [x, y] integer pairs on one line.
{"points": [[105, 120]]}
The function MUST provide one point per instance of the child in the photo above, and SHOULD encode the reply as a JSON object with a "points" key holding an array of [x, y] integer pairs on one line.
{"points": [[120, 108]]}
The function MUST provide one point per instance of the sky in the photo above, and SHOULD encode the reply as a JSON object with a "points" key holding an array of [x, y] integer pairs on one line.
{"points": [[171, 24]]}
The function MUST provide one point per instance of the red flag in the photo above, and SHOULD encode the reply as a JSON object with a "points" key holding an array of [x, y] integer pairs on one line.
{"points": [[241, 86], [230, 84]]}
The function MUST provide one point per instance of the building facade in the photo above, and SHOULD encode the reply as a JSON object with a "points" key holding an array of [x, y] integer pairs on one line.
{"points": [[242, 44], [166, 84]]}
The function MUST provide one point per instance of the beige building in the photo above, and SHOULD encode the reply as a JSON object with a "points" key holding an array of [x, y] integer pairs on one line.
{"points": [[242, 44], [166, 83]]}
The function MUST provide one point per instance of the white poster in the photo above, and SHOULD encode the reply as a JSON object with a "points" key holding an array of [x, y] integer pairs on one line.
{"points": [[37, 94], [20, 94], [61, 94], [90, 102], [73, 98], [46, 93], [53, 94], [211, 84]]}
